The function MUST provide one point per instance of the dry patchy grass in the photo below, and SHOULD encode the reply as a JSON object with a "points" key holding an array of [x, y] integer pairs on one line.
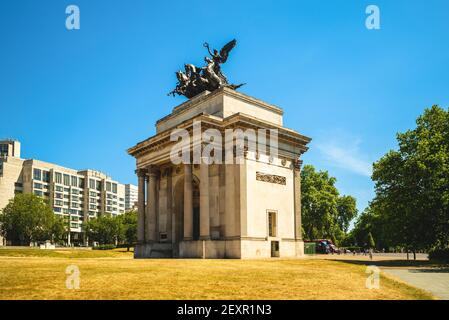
{"points": [[115, 275]]}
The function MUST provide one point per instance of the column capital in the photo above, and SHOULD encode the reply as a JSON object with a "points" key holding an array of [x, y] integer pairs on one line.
{"points": [[141, 172], [297, 164], [153, 171]]}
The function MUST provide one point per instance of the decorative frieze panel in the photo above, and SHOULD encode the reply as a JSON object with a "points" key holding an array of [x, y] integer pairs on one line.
{"points": [[271, 178]]}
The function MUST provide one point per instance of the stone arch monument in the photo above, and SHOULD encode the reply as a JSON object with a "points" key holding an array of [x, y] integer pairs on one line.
{"points": [[246, 210]]}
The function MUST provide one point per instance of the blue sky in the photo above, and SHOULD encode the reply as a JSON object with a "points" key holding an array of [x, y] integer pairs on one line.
{"points": [[81, 98]]}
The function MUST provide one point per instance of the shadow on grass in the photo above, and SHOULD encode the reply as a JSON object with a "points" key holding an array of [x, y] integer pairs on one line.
{"points": [[431, 270], [428, 266]]}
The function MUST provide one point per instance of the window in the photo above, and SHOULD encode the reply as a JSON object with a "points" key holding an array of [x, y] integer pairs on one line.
{"points": [[37, 174], [58, 177], [3, 149], [58, 203], [74, 181], [81, 183], [57, 209], [98, 185], [67, 180], [272, 224], [46, 176], [59, 188], [108, 186], [114, 187], [38, 193], [91, 183], [58, 195], [37, 185]]}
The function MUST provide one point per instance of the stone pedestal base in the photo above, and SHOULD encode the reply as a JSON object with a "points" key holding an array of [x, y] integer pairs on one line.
{"points": [[210, 249], [153, 250], [299, 248], [219, 249]]}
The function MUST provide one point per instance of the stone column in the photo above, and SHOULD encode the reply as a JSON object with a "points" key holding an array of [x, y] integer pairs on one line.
{"points": [[229, 200], [204, 200], [188, 202], [169, 197], [151, 218], [297, 198], [141, 206]]}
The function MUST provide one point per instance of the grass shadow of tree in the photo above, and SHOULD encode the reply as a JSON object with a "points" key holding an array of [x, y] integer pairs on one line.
{"points": [[424, 265]]}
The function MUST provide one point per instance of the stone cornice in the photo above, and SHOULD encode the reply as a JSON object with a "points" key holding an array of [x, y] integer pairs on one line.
{"points": [[237, 120]]}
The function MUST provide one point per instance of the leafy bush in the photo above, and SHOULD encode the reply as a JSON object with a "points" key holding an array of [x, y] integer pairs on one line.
{"points": [[439, 254], [105, 247]]}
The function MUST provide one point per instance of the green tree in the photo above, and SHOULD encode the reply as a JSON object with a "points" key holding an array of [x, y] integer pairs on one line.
{"points": [[412, 184], [105, 229], [324, 213], [28, 218], [129, 222], [347, 211], [370, 241], [371, 222], [59, 229]]}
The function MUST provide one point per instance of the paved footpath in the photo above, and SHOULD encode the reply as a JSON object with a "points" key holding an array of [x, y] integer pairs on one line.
{"points": [[433, 280], [430, 278]]}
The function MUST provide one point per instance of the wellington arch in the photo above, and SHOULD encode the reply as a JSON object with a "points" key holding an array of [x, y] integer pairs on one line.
{"points": [[246, 210]]}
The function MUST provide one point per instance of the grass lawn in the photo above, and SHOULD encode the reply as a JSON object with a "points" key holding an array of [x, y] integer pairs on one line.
{"points": [[40, 274]]}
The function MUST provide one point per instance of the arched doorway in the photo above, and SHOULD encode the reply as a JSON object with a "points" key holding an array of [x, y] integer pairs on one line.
{"points": [[178, 209]]}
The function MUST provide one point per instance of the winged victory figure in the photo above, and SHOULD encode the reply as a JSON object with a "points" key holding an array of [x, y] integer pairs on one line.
{"points": [[210, 77]]}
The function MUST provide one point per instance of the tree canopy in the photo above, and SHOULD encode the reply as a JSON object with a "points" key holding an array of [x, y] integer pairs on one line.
{"points": [[107, 229], [411, 205], [325, 214], [28, 218]]}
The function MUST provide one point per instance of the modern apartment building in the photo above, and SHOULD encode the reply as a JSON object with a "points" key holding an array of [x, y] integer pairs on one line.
{"points": [[75, 195], [131, 193]]}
